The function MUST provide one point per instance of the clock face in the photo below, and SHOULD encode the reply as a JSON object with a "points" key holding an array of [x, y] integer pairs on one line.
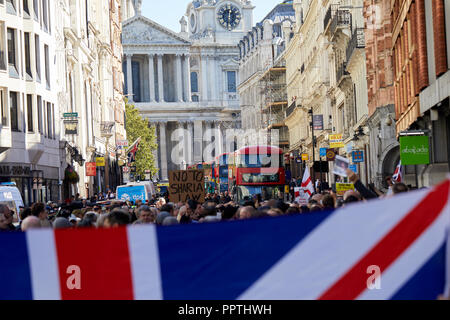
{"points": [[229, 16]]}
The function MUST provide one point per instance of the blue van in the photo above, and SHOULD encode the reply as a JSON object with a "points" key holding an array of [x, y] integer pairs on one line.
{"points": [[135, 191]]}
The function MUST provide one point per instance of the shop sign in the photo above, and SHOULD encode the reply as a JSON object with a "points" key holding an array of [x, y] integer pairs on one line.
{"points": [[305, 157], [70, 115], [323, 152], [336, 141], [14, 171], [318, 122], [414, 150], [331, 154], [91, 169], [358, 156], [100, 161], [71, 126]]}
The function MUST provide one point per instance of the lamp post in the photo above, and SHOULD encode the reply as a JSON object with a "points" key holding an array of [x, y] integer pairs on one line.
{"points": [[311, 112], [106, 131]]}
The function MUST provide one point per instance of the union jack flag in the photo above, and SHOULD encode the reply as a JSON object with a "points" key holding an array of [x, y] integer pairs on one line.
{"points": [[396, 248], [132, 151], [397, 177]]}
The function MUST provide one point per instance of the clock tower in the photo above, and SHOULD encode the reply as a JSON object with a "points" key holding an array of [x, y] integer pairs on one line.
{"points": [[221, 21]]}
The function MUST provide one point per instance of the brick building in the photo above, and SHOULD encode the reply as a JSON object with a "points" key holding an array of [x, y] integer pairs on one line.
{"points": [[384, 149], [421, 44]]}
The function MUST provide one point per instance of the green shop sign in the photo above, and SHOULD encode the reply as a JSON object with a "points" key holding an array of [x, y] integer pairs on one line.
{"points": [[414, 150]]}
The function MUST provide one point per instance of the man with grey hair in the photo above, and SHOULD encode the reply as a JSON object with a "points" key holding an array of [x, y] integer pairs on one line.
{"points": [[145, 215]]}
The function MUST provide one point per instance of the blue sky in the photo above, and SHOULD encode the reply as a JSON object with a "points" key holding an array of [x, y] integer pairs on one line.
{"points": [[168, 12]]}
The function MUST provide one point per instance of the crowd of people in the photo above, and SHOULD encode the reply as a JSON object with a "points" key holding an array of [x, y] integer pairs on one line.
{"points": [[159, 211]]}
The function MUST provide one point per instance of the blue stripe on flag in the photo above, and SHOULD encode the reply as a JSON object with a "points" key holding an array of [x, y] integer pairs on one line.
{"points": [[221, 260], [15, 281], [428, 282]]}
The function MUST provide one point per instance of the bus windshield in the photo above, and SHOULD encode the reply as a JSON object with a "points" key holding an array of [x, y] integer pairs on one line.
{"points": [[260, 161], [266, 192]]}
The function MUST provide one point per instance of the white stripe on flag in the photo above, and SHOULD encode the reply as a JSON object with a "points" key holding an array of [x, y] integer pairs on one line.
{"points": [[144, 259], [43, 264], [393, 278], [331, 249]]}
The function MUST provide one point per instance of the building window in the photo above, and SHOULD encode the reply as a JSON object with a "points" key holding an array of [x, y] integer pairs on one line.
{"points": [[2, 47], [47, 67], [231, 77], [12, 53], [136, 72], [39, 112], [49, 120], [36, 9], [26, 8], [45, 14], [3, 109], [14, 111], [194, 82], [38, 57], [71, 94], [11, 6], [195, 98], [124, 68], [30, 113], [28, 56]]}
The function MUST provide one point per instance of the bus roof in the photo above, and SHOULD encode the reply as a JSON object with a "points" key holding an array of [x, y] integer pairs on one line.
{"points": [[260, 149]]}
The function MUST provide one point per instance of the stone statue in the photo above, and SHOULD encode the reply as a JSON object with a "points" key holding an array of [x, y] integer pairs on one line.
{"points": [[137, 6]]}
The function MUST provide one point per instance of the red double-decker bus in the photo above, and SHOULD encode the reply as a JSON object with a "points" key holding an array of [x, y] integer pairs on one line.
{"points": [[257, 170]]}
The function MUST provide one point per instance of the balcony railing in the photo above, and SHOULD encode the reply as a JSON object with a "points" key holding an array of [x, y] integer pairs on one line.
{"points": [[356, 42], [290, 110], [341, 72], [342, 18]]}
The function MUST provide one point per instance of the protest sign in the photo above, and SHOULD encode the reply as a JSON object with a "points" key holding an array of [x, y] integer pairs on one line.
{"points": [[301, 197], [340, 166], [342, 188], [187, 184]]}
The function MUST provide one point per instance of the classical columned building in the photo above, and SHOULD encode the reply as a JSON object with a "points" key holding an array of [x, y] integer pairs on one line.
{"points": [[185, 82]]}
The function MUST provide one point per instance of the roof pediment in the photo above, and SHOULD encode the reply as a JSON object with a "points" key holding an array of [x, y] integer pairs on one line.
{"points": [[140, 30]]}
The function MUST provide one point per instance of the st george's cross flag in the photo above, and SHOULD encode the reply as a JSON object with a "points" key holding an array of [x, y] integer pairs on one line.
{"points": [[307, 184], [396, 248]]}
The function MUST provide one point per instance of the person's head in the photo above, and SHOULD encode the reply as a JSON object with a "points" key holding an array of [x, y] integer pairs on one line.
{"points": [[292, 210], [4, 217], [274, 212], [30, 222], [161, 216], [304, 209], [138, 203], [24, 213], [61, 223], [246, 212], [170, 221], [116, 218], [352, 193], [399, 188], [85, 223], [145, 214], [328, 202], [209, 210], [92, 216], [38, 210], [167, 208], [389, 181], [315, 208], [282, 206]]}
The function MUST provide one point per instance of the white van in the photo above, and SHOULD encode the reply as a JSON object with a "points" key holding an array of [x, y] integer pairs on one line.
{"points": [[10, 196], [136, 191]]}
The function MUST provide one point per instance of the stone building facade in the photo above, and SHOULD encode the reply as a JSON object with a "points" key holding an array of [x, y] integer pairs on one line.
{"points": [[29, 112], [185, 82]]}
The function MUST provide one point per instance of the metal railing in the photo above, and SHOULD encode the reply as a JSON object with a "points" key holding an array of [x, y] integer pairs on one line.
{"points": [[341, 71], [356, 42], [290, 110], [342, 18]]}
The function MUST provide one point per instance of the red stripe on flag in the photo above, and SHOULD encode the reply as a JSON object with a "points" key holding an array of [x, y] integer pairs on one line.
{"points": [[385, 252], [104, 261], [305, 184]]}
